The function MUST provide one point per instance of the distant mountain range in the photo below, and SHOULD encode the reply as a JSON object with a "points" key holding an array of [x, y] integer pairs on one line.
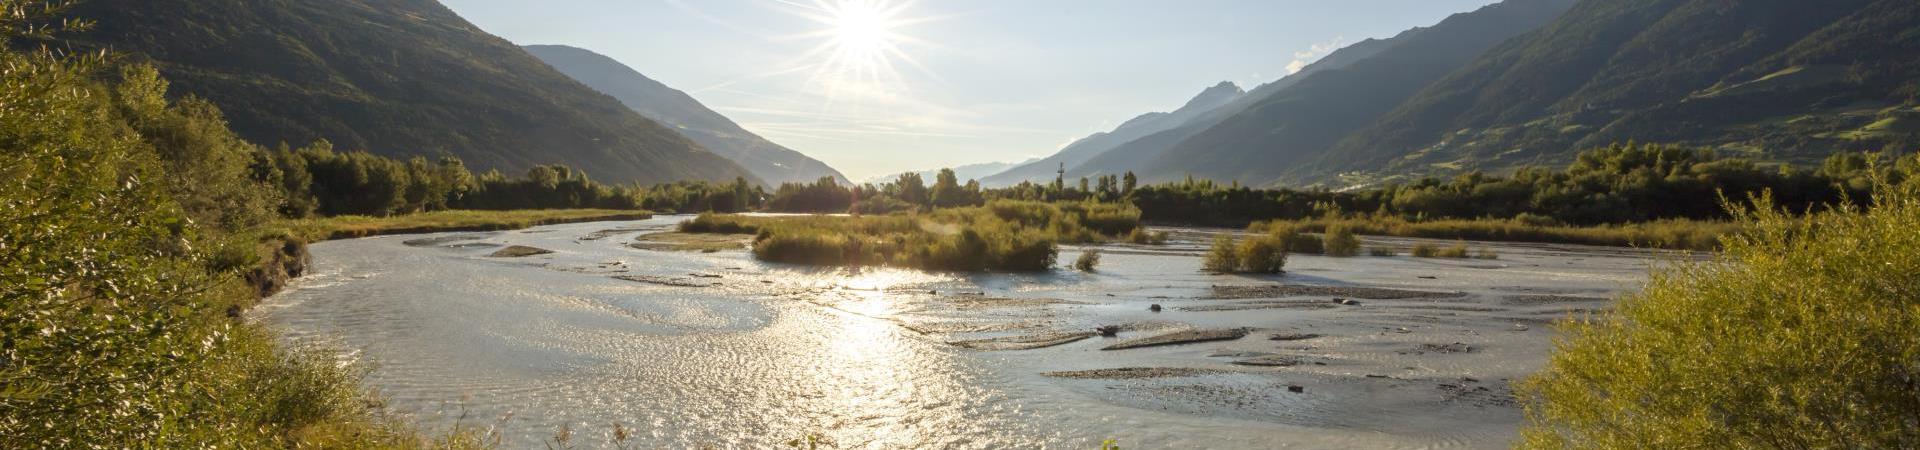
{"points": [[394, 77], [1077, 152], [769, 161], [1532, 82], [963, 173]]}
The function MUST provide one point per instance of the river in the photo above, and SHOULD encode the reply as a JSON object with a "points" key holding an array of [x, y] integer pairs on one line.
{"points": [[692, 349]]}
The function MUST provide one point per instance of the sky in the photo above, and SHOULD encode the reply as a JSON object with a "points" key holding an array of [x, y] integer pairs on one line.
{"points": [[874, 87]]}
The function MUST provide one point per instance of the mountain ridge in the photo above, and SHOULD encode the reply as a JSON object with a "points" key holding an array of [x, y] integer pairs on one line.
{"points": [[771, 162], [398, 78]]}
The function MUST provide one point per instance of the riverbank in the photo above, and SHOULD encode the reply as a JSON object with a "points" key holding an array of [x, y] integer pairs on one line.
{"points": [[1663, 234], [348, 227]]}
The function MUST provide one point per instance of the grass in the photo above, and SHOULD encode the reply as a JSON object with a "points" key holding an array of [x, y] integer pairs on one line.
{"points": [[1664, 234], [1425, 250], [1142, 236], [690, 242], [1802, 333], [1000, 236], [346, 227]]}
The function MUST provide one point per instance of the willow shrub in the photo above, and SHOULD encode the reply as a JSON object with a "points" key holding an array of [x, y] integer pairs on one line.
{"points": [[1803, 333]]}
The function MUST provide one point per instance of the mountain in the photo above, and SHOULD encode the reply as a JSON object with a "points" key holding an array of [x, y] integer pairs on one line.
{"points": [[1270, 140], [1077, 152], [769, 161], [964, 173], [1131, 155], [394, 77], [1775, 79]]}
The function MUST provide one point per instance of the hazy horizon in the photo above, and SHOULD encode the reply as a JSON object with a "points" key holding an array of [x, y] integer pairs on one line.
{"points": [[879, 87]]}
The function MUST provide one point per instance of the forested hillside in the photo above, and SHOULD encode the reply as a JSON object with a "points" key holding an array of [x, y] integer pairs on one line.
{"points": [[1770, 79], [771, 162], [1274, 136], [395, 77]]}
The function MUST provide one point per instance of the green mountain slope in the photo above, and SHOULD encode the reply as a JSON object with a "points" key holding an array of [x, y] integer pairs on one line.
{"points": [[395, 77], [1134, 154], [1781, 79], [1272, 138], [771, 162], [1078, 152]]}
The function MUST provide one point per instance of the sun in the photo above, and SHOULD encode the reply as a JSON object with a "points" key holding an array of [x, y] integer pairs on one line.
{"points": [[862, 44], [863, 27]]}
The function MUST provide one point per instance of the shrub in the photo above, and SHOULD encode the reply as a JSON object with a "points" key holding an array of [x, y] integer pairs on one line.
{"points": [[1087, 261], [1304, 243], [1340, 241], [1485, 253], [1802, 334], [881, 205], [1143, 237], [1223, 257], [1382, 251], [1262, 254], [1425, 250]]}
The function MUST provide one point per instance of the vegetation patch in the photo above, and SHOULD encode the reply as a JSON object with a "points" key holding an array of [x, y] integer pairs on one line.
{"points": [[1801, 334], [691, 242], [347, 227], [1002, 235]]}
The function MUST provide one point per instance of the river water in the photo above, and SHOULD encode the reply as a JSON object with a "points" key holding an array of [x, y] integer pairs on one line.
{"points": [[692, 350]]}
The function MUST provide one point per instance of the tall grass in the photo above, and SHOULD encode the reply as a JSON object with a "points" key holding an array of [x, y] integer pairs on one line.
{"points": [[1666, 234], [1002, 235], [1802, 333]]}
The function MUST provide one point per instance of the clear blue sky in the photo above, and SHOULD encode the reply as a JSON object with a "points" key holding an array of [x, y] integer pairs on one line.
{"points": [[948, 82]]}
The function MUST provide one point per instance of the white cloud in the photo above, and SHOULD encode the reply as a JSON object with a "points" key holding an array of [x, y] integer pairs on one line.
{"points": [[1313, 53]]}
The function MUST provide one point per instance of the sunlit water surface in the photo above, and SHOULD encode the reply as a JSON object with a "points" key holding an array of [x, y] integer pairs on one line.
{"points": [[526, 347]]}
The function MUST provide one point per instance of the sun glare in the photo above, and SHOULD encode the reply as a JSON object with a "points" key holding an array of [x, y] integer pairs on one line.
{"points": [[862, 28], [861, 47]]}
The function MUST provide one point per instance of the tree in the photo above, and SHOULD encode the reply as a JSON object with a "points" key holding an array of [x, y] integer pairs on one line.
{"points": [[947, 192], [910, 188], [1128, 184]]}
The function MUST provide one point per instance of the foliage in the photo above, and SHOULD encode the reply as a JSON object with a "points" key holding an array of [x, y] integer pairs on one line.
{"points": [[1802, 333], [823, 196], [1087, 261], [1002, 235], [339, 227], [117, 269], [1428, 250], [1382, 252], [1221, 257], [1340, 241], [1143, 236]]}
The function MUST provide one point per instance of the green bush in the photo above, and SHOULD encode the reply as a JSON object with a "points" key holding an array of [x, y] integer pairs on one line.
{"points": [[1087, 261], [1340, 241], [1803, 333]]}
